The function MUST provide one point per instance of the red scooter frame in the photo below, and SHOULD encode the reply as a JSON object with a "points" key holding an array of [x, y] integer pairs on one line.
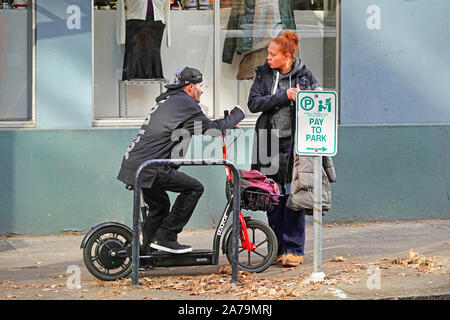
{"points": [[243, 235]]}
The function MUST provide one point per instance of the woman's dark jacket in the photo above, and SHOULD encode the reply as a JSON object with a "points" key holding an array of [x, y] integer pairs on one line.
{"points": [[262, 100]]}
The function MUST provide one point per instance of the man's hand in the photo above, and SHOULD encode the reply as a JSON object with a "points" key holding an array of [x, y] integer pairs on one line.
{"points": [[238, 106], [242, 109]]}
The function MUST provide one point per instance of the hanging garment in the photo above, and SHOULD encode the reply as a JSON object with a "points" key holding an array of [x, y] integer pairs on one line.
{"points": [[141, 27], [249, 62], [253, 23], [142, 59]]}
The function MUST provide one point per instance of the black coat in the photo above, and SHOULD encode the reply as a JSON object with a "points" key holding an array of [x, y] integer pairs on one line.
{"points": [[262, 100], [159, 138]]}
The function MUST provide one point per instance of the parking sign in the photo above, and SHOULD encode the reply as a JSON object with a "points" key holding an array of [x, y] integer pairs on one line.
{"points": [[316, 123]]}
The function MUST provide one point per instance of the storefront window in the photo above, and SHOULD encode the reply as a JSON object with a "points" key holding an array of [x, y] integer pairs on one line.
{"points": [[225, 43], [247, 26], [137, 53], [15, 61]]}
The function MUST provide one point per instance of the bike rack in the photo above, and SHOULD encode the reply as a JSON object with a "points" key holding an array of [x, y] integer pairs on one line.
{"points": [[184, 162]]}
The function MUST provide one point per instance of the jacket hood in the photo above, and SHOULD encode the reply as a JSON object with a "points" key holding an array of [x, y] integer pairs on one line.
{"points": [[167, 93], [296, 69]]}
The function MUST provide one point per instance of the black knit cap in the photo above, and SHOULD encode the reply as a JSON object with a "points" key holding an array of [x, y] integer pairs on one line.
{"points": [[185, 76]]}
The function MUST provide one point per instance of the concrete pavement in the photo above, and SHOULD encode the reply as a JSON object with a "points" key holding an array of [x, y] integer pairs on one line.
{"points": [[382, 260]]}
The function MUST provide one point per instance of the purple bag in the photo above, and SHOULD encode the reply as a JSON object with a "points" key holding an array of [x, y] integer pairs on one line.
{"points": [[258, 193]]}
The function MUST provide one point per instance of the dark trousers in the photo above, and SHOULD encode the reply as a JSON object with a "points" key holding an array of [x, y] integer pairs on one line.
{"points": [[288, 225], [162, 221]]}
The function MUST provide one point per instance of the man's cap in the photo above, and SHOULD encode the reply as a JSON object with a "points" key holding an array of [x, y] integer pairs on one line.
{"points": [[185, 76]]}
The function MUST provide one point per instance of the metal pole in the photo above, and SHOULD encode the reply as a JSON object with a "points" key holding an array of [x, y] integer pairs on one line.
{"points": [[236, 226], [216, 60], [317, 274], [135, 245], [186, 162]]}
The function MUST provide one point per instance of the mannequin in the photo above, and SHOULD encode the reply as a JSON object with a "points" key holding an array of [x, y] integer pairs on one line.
{"points": [[140, 26]]}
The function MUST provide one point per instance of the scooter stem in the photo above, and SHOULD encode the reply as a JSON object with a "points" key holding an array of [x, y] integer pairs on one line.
{"points": [[246, 243]]}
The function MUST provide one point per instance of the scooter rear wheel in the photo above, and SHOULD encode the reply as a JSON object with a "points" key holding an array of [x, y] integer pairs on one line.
{"points": [[101, 256], [259, 259]]}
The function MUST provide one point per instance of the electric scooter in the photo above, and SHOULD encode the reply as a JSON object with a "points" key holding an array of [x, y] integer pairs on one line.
{"points": [[109, 248]]}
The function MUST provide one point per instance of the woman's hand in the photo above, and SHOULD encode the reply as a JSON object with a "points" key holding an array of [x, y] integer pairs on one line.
{"points": [[292, 93]]}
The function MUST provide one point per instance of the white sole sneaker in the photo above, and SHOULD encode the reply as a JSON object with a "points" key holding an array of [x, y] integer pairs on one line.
{"points": [[159, 247]]}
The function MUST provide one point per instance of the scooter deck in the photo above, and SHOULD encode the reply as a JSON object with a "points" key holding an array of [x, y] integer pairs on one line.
{"points": [[166, 259]]}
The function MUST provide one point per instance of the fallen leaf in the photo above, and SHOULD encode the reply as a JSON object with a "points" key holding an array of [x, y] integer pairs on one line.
{"points": [[338, 259], [412, 254]]}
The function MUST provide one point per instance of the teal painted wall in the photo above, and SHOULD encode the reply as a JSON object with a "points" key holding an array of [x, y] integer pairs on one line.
{"points": [[54, 180], [392, 172]]}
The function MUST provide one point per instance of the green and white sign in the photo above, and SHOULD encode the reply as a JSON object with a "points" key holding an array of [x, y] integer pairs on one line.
{"points": [[316, 123]]}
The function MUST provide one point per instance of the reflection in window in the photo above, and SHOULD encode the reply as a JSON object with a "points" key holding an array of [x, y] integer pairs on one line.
{"points": [[15, 61], [140, 44], [245, 29], [247, 26]]}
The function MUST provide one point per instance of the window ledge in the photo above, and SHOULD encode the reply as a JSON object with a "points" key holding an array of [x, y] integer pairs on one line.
{"points": [[137, 122], [7, 124]]}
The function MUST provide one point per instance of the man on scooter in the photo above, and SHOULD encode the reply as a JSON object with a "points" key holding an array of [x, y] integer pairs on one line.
{"points": [[170, 123]]}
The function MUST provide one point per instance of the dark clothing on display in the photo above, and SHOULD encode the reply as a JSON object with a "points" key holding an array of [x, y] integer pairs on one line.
{"points": [[248, 63], [157, 139], [142, 59], [150, 14]]}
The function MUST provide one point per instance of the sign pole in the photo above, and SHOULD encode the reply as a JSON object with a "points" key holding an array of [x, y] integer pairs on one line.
{"points": [[317, 274], [316, 136]]}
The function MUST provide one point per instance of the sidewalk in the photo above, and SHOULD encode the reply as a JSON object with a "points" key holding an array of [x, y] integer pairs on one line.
{"points": [[360, 261]]}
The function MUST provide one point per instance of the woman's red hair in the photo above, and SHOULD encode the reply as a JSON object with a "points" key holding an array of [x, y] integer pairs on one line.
{"points": [[288, 42]]}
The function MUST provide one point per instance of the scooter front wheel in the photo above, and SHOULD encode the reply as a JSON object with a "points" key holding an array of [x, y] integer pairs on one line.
{"points": [[104, 255], [260, 258]]}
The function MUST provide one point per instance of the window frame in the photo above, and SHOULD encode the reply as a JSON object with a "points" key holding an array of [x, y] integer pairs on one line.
{"points": [[249, 121], [31, 123]]}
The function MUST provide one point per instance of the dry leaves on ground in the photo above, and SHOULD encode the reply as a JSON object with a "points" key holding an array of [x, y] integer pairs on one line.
{"points": [[251, 286], [418, 262], [338, 259]]}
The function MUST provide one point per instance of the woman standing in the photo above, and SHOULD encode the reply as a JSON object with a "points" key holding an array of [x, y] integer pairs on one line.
{"points": [[274, 92]]}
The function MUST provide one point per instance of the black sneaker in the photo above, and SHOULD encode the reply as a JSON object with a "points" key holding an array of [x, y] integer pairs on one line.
{"points": [[146, 250], [170, 246]]}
